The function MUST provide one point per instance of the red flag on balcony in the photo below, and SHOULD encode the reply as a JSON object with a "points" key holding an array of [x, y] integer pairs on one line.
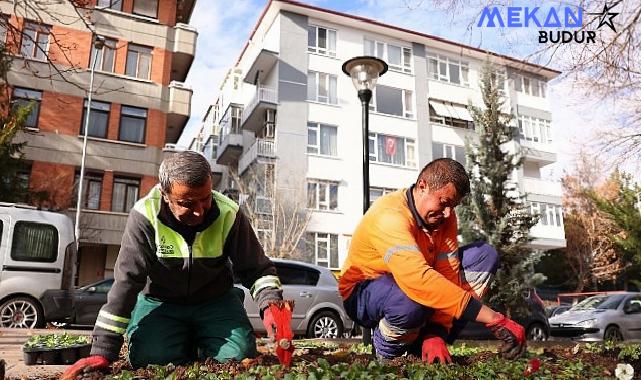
{"points": [[390, 146]]}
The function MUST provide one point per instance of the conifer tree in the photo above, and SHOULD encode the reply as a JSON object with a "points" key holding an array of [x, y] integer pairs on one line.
{"points": [[496, 211]]}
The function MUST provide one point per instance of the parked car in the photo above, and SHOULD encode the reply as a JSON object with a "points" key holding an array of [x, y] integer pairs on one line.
{"points": [[37, 252], [602, 317], [552, 311], [318, 310], [535, 323]]}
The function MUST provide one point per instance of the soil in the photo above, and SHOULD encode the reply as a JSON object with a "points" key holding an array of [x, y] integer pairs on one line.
{"points": [[607, 360]]}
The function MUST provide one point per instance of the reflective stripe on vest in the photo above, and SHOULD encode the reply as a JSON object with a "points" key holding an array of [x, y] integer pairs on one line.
{"points": [[207, 244]]}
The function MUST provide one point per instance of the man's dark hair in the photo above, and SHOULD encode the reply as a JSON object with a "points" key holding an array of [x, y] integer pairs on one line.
{"points": [[442, 171], [189, 168]]}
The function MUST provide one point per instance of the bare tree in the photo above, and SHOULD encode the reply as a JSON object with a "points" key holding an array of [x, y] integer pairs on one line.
{"points": [[280, 219]]}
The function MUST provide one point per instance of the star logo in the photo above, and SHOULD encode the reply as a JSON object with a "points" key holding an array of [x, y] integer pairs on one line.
{"points": [[605, 17]]}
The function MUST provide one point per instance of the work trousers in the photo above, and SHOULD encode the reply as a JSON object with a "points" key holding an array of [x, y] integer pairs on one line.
{"points": [[400, 323], [163, 333]]}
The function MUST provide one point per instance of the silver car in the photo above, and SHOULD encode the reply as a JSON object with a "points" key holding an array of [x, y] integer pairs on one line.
{"points": [[602, 317], [318, 310]]}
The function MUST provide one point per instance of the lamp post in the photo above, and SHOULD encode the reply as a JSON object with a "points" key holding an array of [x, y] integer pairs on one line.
{"points": [[364, 72], [98, 43]]}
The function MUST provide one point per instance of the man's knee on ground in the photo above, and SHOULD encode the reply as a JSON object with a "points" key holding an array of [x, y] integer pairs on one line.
{"points": [[396, 334]]}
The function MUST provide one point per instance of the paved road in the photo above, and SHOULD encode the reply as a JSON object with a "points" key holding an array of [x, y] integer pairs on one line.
{"points": [[11, 341]]}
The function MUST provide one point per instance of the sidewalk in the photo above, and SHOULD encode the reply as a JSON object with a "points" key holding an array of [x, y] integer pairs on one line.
{"points": [[11, 341]]}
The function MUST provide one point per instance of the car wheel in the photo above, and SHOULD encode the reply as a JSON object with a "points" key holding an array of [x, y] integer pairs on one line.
{"points": [[21, 312], [613, 333], [536, 332], [325, 325]]}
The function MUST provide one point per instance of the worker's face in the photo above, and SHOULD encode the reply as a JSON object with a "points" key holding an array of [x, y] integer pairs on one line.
{"points": [[434, 206], [189, 204]]}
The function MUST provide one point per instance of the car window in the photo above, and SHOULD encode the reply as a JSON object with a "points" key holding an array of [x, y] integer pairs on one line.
{"points": [[34, 242], [599, 302], [104, 286], [634, 301], [296, 275]]}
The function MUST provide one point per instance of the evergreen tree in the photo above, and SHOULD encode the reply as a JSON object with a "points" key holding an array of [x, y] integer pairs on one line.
{"points": [[625, 212], [496, 211], [12, 189]]}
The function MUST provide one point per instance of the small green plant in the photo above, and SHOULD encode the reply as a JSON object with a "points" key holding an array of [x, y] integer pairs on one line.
{"points": [[361, 348], [56, 341], [464, 350], [630, 351]]}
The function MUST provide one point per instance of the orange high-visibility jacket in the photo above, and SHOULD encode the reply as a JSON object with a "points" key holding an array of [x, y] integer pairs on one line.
{"points": [[390, 239]]}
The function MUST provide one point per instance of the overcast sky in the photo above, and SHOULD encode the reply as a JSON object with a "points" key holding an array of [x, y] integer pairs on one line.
{"points": [[224, 27]]}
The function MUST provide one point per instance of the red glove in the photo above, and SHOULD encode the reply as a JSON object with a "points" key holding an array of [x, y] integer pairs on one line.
{"points": [[434, 348], [511, 333], [91, 362]]}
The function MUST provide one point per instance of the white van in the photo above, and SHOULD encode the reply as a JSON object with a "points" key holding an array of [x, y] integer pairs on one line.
{"points": [[37, 252]]}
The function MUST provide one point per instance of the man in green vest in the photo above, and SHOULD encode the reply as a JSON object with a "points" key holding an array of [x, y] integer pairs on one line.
{"points": [[173, 292]]}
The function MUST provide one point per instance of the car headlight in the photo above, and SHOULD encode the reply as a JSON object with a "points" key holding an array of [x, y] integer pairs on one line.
{"points": [[587, 323]]}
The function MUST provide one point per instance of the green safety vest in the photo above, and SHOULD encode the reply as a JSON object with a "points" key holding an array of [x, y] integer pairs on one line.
{"points": [[170, 244]]}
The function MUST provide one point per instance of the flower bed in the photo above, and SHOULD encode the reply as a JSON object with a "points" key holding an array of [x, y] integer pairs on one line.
{"points": [[343, 361]]}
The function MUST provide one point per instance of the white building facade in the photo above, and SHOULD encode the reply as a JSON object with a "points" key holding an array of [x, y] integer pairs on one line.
{"points": [[287, 104]]}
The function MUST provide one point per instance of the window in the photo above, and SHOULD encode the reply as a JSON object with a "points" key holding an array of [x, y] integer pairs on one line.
{"points": [[377, 192], [321, 87], [37, 242], [111, 4], [321, 40], [148, 8], [105, 58], [138, 61], [498, 77], [35, 41], [530, 86], [392, 101], [392, 150], [23, 97], [535, 130], [450, 114], [398, 58], [322, 195], [125, 194], [91, 189], [549, 214], [296, 275], [4, 21], [98, 119], [440, 150], [321, 139], [132, 124], [446, 69], [325, 249]]}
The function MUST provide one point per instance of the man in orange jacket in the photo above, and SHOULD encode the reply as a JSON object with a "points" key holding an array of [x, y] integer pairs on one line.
{"points": [[406, 277]]}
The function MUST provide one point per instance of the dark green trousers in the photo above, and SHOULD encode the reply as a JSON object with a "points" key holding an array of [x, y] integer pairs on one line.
{"points": [[163, 333]]}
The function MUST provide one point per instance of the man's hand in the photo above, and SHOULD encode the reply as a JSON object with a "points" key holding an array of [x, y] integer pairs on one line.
{"points": [[269, 323], [95, 362], [434, 348], [511, 333]]}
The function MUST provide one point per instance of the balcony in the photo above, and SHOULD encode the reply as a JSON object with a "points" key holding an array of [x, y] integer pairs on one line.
{"points": [[231, 142], [541, 187], [178, 103], [538, 151], [260, 148], [262, 63], [253, 117], [184, 49]]}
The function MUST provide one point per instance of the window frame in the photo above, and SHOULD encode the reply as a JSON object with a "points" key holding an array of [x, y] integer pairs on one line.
{"points": [[316, 127], [111, 5], [132, 116], [15, 245], [318, 50], [110, 44], [95, 110], [318, 185], [406, 67], [409, 144], [327, 238], [328, 86], [38, 29], [90, 177], [383, 191], [408, 107], [37, 101], [535, 130], [440, 60], [143, 50], [133, 9], [128, 182]]}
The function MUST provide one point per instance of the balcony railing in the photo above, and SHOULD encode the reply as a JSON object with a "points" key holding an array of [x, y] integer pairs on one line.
{"points": [[260, 148], [263, 94], [542, 187]]}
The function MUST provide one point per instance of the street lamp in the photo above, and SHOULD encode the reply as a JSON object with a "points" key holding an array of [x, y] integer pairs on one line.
{"points": [[98, 43], [364, 72]]}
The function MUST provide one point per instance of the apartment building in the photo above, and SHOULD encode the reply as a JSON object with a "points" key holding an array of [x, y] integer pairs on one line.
{"points": [[139, 104], [286, 106]]}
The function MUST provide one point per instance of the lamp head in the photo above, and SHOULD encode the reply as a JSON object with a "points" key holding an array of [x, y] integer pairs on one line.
{"points": [[364, 71]]}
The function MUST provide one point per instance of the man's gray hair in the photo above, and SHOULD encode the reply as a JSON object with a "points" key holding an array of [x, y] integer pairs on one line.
{"points": [[189, 168]]}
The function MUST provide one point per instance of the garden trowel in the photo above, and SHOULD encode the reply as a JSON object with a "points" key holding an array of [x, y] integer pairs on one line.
{"points": [[282, 312]]}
